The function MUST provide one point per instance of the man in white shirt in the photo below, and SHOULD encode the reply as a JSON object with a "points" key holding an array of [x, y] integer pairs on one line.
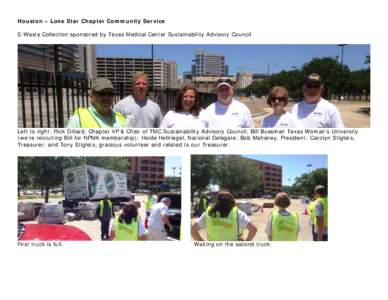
{"points": [[157, 219], [227, 112], [314, 111]]}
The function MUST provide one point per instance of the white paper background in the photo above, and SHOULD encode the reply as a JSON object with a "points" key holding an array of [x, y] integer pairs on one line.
{"points": [[351, 265]]}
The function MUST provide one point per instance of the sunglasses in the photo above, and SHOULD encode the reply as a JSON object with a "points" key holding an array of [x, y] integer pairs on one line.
{"points": [[313, 86], [280, 99], [106, 94], [224, 80]]}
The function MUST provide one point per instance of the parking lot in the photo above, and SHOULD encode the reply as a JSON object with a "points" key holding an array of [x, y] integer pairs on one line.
{"points": [[93, 227], [260, 218]]}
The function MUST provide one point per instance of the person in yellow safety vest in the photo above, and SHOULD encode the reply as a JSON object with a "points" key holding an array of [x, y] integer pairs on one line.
{"points": [[99, 114], [104, 213], [321, 214], [282, 225], [128, 226], [223, 220], [202, 203], [312, 221]]}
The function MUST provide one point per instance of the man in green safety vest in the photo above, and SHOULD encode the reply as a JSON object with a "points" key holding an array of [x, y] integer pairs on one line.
{"points": [[282, 225], [313, 219], [104, 213], [320, 214], [223, 221], [99, 114], [150, 201]]}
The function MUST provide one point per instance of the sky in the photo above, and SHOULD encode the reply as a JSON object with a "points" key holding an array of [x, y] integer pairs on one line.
{"points": [[293, 165], [250, 58], [169, 163]]}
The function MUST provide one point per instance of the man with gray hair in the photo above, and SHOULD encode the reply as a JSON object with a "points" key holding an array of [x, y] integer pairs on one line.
{"points": [[158, 219], [139, 111]]}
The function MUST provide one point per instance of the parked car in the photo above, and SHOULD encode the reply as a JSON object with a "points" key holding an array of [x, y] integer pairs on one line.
{"points": [[50, 232]]}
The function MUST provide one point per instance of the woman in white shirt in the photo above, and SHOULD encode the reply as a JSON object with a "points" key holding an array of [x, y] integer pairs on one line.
{"points": [[278, 99], [187, 112]]}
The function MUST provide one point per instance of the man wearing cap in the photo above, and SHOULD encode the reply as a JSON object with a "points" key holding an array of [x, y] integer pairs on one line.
{"points": [[227, 112], [314, 111], [139, 111], [158, 219], [99, 114]]}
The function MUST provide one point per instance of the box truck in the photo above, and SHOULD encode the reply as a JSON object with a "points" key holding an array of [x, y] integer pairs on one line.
{"points": [[89, 183]]}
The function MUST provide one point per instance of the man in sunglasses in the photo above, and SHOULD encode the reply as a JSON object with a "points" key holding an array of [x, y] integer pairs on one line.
{"points": [[227, 112], [139, 111], [314, 111], [99, 114]]}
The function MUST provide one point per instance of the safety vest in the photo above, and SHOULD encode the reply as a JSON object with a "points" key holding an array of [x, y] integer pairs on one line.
{"points": [[102, 207], [311, 209], [222, 229], [323, 200], [284, 228], [126, 232], [203, 202], [87, 120], [150, 202]]}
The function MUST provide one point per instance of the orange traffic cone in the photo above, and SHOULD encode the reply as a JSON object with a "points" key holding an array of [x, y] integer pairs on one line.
{"points": [[305, 211]]}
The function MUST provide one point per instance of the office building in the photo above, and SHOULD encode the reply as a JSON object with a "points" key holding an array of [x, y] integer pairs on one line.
{"points": [[148, 170], [207, 64]]}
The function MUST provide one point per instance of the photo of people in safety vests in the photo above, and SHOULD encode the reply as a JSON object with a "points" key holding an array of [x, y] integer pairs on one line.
{"points": [[259, 198], [99, 198]]}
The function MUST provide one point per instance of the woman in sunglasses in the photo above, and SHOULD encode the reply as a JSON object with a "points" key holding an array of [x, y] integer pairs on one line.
{"points": [[187, 112], [278, 99], [223, 221]]}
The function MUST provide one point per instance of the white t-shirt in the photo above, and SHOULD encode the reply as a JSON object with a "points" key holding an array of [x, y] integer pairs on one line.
{"points": [[268, 226], [322, 114], [234, 115], [243, 219], [182, 120], [155, 221], [285, 120], [142, 229]]}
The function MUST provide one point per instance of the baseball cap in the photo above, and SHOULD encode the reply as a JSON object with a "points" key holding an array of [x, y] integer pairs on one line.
{"points": [[224, 81], [313, 78], [100, 84]]}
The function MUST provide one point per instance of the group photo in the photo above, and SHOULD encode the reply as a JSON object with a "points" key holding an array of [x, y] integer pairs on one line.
{"points": [[194, 86]]}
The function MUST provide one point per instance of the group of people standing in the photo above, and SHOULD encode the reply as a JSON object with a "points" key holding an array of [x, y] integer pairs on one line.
{"points": [[138, 111], [129, 226], [224, 221]]}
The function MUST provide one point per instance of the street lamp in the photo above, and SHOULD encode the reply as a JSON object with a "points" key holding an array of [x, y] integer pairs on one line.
{"points": [[309, 165], [270, 64], [342, 52]]}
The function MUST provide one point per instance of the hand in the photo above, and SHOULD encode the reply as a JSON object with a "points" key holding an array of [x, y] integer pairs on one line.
{"points": [[170, 228]]}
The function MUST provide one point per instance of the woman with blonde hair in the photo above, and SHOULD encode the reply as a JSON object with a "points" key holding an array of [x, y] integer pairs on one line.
{"points": [[278, 99]]}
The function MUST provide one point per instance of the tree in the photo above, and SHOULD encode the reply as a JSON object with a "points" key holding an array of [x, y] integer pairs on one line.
{"points": [[237, 174], [305, 184], [47, 172], [24, 176], [334, 75], [202, 172]]}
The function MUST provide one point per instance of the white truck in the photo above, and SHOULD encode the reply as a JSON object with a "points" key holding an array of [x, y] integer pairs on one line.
{"points": [[89, 183]]}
